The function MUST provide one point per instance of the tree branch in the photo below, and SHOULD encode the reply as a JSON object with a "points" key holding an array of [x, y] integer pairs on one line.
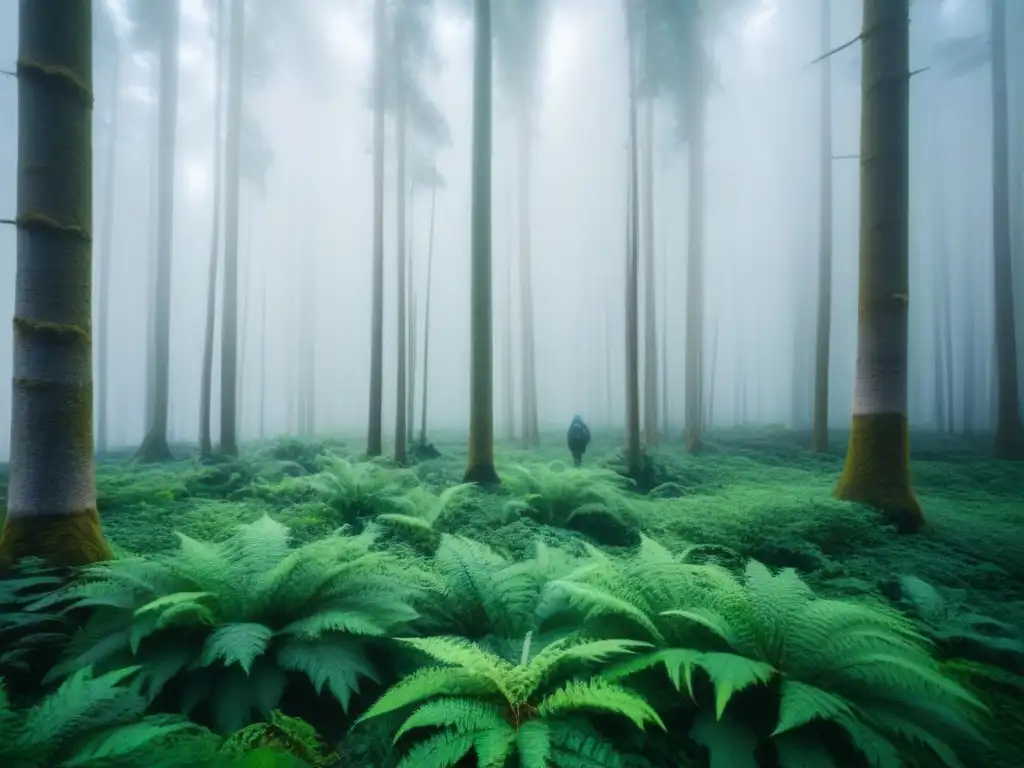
{"points": [[836, 50], [918, 71], [845, 157], [8, 72]]}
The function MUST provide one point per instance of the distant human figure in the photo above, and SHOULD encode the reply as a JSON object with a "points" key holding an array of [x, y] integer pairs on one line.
{"points": [[578, 437]]}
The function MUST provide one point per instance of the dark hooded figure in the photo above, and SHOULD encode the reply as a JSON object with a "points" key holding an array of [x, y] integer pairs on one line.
{"points": [[578, 438]]}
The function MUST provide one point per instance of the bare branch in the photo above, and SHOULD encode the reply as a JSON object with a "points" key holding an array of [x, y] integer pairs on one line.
{"points": [[918, 71], [8, 72], [12, 222], [845, 157], [834, 51]]}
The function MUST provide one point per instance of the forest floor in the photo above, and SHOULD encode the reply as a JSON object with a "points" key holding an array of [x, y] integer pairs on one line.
{"points": [[753, 493]]}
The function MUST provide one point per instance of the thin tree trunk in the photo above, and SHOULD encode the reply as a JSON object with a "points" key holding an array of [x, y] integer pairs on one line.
{"points": [[822, 347], [664, 337], [154, 447], [263, 357], [426, 318], [531, 428], [232, 177], [206, 383], [245, 318], [710, 408], [374, 441], [480, 467], [695, 248], [634, 455], [510, 408], [51, 494], [650, 302], [410, 420], [877, 470], [106, 248], [1009, 437], [401, 137]]}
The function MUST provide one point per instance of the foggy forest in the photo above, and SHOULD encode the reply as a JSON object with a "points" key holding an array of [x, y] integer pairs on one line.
{"points": [[479, 383]]}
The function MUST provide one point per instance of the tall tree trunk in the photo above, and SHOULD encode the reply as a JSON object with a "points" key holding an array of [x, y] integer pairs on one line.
{"points": [[51, 493], [634, 454], [969, 364], [245, 318], [877, 470], [822, 347], [531, 428], [232, 177], [374, 440], [154, 447], [152, 246], [695, 246], [263, 357], [710, 407], [401, 137], [206, 382], [410, 400], [103, 294], [509, 366], [664, 337], [480, 467], [1009, 437], [426, 318], [650, 302]]}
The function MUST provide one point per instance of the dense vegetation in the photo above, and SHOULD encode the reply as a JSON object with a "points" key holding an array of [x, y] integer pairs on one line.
{"points": [[300, 605]]}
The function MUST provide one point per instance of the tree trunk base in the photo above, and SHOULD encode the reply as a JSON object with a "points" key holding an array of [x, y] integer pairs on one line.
{"points": [[877, 471], [61, 541], [482, 474], [819, 440], [228, 449], [154, 449], [1009, 441], [694, 444]]}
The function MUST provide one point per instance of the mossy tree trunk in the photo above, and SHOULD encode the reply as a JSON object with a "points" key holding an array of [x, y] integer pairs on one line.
{"points": [[697, 89], [206, 382], [374, 439], [232, 177], [480, 468], [1009, 437], [426, 318], [877, 470], [401, 187], [634, 451], [106, 257], [51, 496], [822, 346]]}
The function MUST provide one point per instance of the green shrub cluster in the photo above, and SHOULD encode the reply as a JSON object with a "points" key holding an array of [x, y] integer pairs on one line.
{"points": [[557, 660]]}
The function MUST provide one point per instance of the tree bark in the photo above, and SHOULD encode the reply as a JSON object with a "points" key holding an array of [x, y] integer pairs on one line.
{"points": [[480, 468], [401, 138], [206, 382], [1009, 437], [426, 319], [650, 300], [232, 177], [531, 428], [51, 496], [877, 470], [822, 347], [374, 440], [695, 247], [154, 447], [634, 451]]}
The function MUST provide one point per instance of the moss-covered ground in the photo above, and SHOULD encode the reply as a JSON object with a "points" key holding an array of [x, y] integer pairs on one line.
{"points": [[752, 493]]}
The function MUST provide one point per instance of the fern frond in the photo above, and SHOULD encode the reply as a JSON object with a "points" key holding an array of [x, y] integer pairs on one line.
{"points": [[599, 694], [240, 643], [731, 673], [462, 714], [443, 750], [427, 683]]}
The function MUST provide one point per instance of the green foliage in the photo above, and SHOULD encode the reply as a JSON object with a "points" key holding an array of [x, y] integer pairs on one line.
{"points": [[93, 722], [25, 635], [230, 623], [280, 735], [559, 495], [862, 668], [478, 702]]}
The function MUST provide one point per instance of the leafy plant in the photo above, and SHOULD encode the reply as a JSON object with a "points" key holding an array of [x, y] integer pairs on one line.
{"points": [[863, 669], [94, 722], [229, 623], [484, 704], [26, 635]]}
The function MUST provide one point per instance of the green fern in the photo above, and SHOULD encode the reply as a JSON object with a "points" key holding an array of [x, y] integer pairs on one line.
{"points": [[478, 702], [26, 636], [863, 668], [94, 722], [229, 622], [553, 492]]}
